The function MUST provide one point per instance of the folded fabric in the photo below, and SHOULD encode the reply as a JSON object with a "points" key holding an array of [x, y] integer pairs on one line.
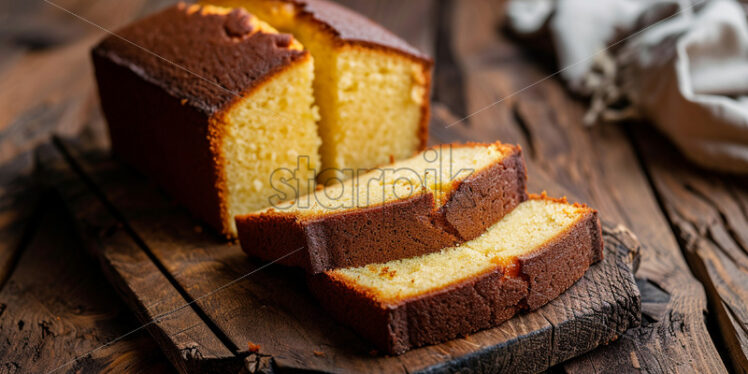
{"points": [[681, 65]]}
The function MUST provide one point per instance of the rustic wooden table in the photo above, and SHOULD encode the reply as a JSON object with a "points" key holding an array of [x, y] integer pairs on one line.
{"points": [[693, 277]]}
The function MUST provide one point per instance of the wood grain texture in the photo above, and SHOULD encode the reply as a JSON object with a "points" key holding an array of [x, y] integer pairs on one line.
{"points": [[55, 307], [159, 307], [47, 88], [18, 209], [271, 307], [709, 213], [509, 96]]}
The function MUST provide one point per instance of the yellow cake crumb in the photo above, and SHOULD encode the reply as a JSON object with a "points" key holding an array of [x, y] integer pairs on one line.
{"points": [[530, 225]]}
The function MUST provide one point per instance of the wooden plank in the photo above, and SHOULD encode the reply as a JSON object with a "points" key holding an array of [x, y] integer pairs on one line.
{"points": [[56, 306], [161, 309], [45, 75], [709, 212], [49, 87], [18, 208], [511, 98], [271, 307]]}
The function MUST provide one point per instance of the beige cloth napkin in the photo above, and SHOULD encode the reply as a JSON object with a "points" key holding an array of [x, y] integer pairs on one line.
{"points": [[682, 65]]}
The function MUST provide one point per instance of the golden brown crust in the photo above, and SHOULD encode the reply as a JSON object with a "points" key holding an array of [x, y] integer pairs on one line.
{"points": [[389, 231], [473, 304], [423, 127], [143, 120], [197, 55], [168, 122], [351, 28], [216, 129]]}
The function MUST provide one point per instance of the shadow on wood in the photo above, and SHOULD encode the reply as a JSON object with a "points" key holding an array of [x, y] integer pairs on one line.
{"points": [[57, 306]]}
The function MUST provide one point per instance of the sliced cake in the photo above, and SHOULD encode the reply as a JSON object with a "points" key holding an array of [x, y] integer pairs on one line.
{"points": [[372, 88], [210, 102], [445, 195], [522, 262]]}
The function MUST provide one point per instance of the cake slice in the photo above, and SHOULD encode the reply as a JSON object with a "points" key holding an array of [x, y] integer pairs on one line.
{"points": [[445, 195], [372, 88], [210, 102], [522, 262]]}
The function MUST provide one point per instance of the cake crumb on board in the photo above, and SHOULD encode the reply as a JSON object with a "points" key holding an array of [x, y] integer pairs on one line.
{"points": [[254, 348]]}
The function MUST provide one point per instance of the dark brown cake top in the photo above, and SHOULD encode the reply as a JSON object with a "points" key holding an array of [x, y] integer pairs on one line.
{"points": [[197, 54], [351, 26]]}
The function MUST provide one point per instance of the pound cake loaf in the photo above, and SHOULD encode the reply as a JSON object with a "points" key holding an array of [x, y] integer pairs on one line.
{"points": [[372, 88], [443, 196], [522, 262], [209, 102]]}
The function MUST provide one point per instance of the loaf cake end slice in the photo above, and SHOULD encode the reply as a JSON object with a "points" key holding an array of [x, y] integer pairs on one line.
{"points": [[210, 102], [522, 262], [442, 196]]}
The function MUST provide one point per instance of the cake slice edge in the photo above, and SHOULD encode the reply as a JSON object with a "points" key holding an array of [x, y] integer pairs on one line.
{"points": [[484, 300], [392, 229]]}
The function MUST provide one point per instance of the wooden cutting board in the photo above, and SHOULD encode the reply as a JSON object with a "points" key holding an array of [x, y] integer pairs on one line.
{"points": [[212, 309]]}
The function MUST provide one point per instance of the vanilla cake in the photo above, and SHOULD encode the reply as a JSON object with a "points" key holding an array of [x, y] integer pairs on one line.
{"points": [[209, 102], [522, 262], [372, 88], [442, 196]]}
